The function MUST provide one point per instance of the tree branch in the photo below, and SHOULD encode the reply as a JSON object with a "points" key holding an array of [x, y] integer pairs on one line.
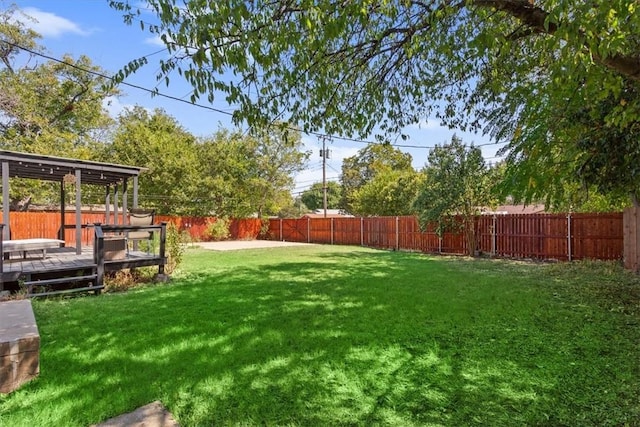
{"points": [[536, 20]]}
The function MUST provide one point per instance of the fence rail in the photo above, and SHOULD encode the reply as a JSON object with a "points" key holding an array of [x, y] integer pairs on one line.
{"points": [[538, 236]]}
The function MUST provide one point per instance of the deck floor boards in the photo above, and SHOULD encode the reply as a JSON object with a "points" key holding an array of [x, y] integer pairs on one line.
{"points": [[63, 259]]}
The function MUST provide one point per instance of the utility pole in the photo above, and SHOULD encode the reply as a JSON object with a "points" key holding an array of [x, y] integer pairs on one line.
{"points": [[325, 154]]}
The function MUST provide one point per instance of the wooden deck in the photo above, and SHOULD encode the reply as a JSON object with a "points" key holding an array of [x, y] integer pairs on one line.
{"points": [[66, 259], [64, 270]]}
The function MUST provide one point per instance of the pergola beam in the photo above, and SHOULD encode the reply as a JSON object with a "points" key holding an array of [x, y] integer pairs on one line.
{"points": [[51, 168]]}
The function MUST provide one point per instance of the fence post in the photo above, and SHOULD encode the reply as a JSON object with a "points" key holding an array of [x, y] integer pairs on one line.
{"points": [[308, 230], [439, 244], [494, 240], [569, 234], [281, 239], [332, 230], [397, 233], [361, 231]]}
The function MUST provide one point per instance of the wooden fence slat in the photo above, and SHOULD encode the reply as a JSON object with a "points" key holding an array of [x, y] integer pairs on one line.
{"points": [[538, 236]]}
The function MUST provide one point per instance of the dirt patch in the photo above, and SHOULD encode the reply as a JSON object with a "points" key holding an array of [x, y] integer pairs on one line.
{"points": [[234, 245]]}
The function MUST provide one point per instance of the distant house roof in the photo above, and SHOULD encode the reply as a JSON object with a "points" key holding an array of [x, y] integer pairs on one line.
{"points": [[515, 209], [331, 213]]}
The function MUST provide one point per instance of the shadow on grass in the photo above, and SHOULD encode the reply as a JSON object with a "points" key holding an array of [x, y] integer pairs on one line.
{"points": [[344, 338]]}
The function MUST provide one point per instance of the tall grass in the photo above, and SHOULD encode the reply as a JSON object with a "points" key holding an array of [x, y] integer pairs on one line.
{"points": [[327, 335]]}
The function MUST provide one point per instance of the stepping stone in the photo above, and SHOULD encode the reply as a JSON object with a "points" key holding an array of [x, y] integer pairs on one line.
{"points": [[151, 415]]}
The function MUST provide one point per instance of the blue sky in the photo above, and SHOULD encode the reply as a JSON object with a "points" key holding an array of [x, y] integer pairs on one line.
{"points": [[92, 28]]}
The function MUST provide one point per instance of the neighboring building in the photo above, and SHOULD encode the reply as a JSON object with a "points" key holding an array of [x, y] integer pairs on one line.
{"points": [[514, 210], [331, 213]]}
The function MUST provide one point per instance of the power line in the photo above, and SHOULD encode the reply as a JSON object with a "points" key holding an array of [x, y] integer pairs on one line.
{"points": [[155, 92], [104, 76]]}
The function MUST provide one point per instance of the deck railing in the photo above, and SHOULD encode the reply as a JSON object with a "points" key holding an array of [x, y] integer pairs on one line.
{"points": [[101, 231]]}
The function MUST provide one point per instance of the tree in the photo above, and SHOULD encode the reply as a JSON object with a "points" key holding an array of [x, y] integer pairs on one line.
{"points": [[456, 186], [390, 192], [362, 168], [156, 141], [276, 157], [510, 67], [54, 107], [313, 197], [248, 174]]}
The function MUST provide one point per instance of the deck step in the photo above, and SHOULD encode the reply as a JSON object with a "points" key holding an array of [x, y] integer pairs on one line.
{"points": [[66, 291], [60, 280]]}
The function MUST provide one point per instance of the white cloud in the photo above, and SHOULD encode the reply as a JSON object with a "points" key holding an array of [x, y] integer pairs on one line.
{"points": [[51, 25], [114, 107], [154, 41], [426, 124]]}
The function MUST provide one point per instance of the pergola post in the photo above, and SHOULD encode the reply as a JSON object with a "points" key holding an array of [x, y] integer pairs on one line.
{"points": [[124, 201], [135, 191], [5, 200], [115, 204], [107, 204], [78, 212], [63, 210]]}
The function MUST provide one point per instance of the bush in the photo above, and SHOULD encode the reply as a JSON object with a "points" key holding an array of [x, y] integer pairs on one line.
{"points": [[123, 280], [218, 229], [174, 248]]}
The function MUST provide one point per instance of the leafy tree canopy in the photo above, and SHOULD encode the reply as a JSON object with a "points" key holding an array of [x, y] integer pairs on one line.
{"points": [[457, 184], [313, 197], [246, 174], [48, 108], [518, 69], [362, 168], [390, 192], [156, 141]]}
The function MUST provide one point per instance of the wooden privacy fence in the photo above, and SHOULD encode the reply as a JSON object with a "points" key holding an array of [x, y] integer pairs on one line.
{"points": [[538, 236], [27, 225]]}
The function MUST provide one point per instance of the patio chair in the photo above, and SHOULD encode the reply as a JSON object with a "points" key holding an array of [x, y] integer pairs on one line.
{"points": [[140, 217]]}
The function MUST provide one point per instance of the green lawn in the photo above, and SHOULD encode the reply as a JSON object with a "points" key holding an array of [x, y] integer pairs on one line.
{"points": [[329, 335]]}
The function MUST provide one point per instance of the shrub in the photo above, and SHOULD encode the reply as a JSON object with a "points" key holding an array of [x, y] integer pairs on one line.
{"points": [[264, 228], [123, 280], [218, 229], [174, 248]]}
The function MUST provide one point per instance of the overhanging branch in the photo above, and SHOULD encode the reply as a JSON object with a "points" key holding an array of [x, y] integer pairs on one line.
{"points": [[536, 20]]}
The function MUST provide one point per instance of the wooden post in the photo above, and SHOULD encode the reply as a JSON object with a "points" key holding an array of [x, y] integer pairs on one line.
{"points": [[107, 204], [361, 231], [78, 212], [397, 233], [281, 239], [631, 239], [5, 200], [163, 242], [308, 230], [1, 258], [569, 236], [332, 230], [494, 239], [124, 201], [98, 253], [135, 191], [115, 204], [63, 209]]}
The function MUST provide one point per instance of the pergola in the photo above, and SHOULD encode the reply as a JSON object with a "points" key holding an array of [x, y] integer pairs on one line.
{"points": [[115, 178]]}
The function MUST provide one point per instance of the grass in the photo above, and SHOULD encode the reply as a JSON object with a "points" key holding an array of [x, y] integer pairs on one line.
{"points": [[346, 336]]}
